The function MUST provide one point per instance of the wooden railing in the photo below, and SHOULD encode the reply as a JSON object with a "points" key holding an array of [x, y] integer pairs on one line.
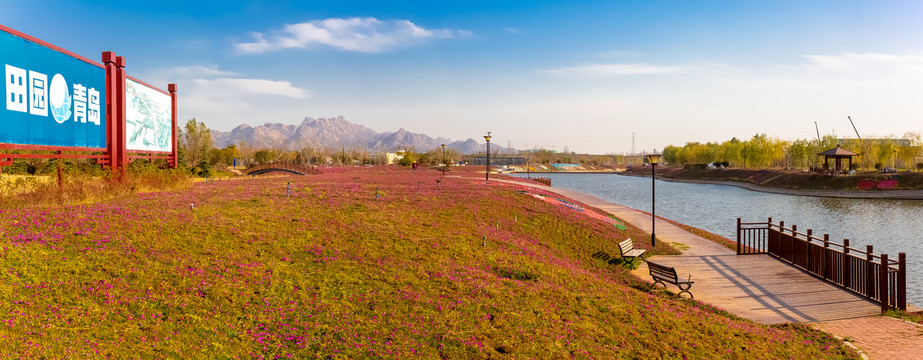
{"points": [[876, 277]]}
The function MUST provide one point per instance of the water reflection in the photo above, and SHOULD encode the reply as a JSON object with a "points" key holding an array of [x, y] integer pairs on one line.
{"points": [[891, 226]]}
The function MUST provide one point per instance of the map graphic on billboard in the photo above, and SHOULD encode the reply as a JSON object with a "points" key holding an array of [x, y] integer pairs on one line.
{"points": [[50, 98], [149, 121]]}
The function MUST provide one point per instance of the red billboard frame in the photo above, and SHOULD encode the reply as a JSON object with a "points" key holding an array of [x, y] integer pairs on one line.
{"points": [[114, 156]]}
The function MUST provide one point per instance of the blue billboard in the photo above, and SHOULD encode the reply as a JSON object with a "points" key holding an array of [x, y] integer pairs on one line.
{"points": [[50, 98]]}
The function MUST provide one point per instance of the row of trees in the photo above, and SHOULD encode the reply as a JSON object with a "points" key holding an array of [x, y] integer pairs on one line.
{"points": [[197, 152], [762, 151]]}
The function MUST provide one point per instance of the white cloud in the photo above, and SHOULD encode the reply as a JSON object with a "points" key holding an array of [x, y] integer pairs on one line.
{"points": [[210, 93], [196, 71], [902, 65], [615, 70], [353, 34], [231, 87]]}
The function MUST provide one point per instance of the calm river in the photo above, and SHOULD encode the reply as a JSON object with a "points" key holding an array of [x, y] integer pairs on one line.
{"points": [[891, 226]]}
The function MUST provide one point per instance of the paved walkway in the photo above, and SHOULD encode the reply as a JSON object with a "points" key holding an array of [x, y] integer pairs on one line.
{"points": [[879, 337], [765, 290]]}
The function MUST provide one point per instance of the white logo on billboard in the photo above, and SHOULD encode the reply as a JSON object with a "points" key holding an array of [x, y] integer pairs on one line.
{"points": [[85, 105], [38, 103], [93, 106], [16, 89], [80, 103], [60, 99]]}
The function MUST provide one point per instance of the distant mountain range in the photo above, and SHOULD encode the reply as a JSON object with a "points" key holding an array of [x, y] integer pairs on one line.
{"points": [[339, 133]]}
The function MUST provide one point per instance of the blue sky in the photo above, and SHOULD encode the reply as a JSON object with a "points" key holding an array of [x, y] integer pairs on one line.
{"points": [[581, 75]]}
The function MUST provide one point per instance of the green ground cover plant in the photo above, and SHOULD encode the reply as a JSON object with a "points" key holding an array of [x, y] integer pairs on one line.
{"points": [[317, 267]]}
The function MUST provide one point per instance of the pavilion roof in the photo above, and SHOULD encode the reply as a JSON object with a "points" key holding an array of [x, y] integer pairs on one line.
{"points": [[838, 151]]}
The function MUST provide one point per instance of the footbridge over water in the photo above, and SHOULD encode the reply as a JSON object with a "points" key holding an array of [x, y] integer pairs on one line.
{"points": [[281, 167]]}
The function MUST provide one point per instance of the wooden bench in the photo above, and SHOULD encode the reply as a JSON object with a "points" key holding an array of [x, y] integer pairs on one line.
{"points": [[629, 253], [665, 274]]}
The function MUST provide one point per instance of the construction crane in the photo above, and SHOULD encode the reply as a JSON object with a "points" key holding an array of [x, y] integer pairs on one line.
{"points": [[854, 128], [864, 149]]}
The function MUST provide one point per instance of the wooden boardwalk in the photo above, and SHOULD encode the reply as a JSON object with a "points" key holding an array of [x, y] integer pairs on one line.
{"points": [[756, 287]]}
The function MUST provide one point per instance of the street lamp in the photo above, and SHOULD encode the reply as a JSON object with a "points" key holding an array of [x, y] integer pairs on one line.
{"points": [[443, 160], [653, 159], [487, 173]]}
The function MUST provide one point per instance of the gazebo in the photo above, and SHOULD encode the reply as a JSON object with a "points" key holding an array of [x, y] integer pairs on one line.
{"points": [[837, 154]]}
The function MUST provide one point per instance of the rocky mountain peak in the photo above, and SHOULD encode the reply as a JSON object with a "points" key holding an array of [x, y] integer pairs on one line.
{"points": [[334, 132]]}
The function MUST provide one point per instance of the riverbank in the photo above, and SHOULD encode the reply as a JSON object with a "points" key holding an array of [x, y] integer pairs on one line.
{"points": [[351, 263], [788, 183]]}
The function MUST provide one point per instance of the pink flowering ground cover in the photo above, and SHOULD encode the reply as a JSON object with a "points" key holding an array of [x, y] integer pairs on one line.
{"points": [[246, 269]]}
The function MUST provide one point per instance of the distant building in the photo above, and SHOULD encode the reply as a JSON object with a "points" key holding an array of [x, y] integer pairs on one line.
{"points": [[499, 160]]}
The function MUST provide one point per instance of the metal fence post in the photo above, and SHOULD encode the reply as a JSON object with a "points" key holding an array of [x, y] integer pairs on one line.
{"points": [[869, 272], [902, 281], [883, 283], [807, 244], [766, 235], [826, 263], [738, 236], [846, 281]]}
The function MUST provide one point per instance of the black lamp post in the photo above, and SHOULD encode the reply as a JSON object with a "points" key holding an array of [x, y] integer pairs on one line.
{"points": [[653, 159], [443, 160], [487, 173]]}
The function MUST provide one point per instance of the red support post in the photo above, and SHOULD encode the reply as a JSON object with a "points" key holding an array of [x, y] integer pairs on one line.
{"points": [[120, 111], [883, 283], [174, 157], [109, 59], [60, 169]]}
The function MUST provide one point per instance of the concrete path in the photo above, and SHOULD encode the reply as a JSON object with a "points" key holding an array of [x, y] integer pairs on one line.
{"points": [[879, 337], [765, 290]]}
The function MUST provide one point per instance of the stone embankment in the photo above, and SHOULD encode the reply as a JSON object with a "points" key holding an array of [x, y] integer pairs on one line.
{"points": [[909, 186]]}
